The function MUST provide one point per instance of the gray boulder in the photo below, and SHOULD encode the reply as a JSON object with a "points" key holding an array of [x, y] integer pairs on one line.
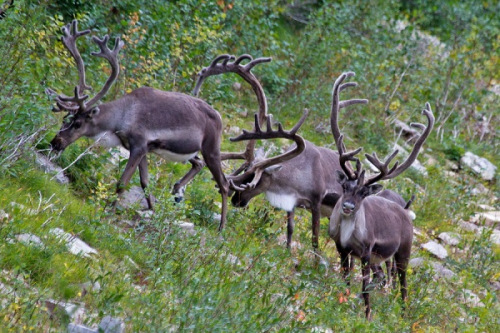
{"points": [[479, 165], [436, 249]]}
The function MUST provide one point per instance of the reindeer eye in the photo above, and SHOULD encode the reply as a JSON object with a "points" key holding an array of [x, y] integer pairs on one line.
{"points": [[77, 125], [68, 119]]}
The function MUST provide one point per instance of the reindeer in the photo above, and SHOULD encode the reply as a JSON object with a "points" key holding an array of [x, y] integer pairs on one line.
{"points": [[367, 226], [172, 125]]}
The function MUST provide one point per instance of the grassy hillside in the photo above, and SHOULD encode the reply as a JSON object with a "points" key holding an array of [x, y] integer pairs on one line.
{"points": [[156, 277]]}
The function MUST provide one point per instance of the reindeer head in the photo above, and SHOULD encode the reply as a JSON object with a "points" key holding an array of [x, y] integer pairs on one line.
{"points": [[75, 126], [258, 176], [80, 120], [353, 193], [242, 198]]}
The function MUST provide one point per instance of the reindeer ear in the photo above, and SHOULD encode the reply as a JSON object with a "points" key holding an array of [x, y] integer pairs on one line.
{"points": [[273, 169], [372, 189], [93, 112], [341, 177]]}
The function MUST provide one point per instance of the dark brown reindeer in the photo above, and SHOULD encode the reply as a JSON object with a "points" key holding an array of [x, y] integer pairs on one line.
{"points": [[367, 226], [173, 125]]}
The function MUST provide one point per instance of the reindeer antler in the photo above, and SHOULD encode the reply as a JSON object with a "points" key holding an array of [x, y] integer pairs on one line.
{"points": [[226, 63], [337, 104], [396, 170], [269, 133], [77, 102]]}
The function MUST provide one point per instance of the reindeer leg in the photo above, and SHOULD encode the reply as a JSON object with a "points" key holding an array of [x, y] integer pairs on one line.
{"points": [[196, 165], [365, 269], [351, 264], [345, 266], [393, 273], [289, 228], [401, 265], [316, 215], [212, 159], [135, 158], [378, 277], [144, 176]]}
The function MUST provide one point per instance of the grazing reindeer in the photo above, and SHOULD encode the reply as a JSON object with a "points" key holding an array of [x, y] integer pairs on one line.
{"points": [[173, 125], [370, 227]]}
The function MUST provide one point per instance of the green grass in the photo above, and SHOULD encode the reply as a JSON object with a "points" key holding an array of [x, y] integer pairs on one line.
{"points": [[157, 278]]}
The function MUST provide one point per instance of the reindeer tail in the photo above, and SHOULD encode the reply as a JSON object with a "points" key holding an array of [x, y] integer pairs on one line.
{"points": [[408, 204]]}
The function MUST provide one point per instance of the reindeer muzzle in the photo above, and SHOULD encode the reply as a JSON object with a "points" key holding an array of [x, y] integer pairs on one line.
{"points": [[347, 208], [58, 144]]}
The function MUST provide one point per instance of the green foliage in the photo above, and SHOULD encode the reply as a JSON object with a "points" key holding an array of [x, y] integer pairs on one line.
{"points": [[454, 153], [158, 278]]}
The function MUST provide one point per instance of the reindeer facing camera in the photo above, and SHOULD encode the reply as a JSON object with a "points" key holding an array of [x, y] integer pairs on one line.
{"points": [[369, 227]]}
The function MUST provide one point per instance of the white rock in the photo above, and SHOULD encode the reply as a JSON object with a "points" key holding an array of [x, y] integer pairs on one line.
{"points": [[76, 328], [49, 167], [495, 88], [436, 249], [495, 237], [479, 165], [479, 189], [486, 207], [74, 311], [416, 262], [450, 238], [321, 329], [491, 218], [282, 240], [417, 232], [145, 214], [468, 226], [441, 271], [495, 285], [133, 196], [187, 227], [416, 165], [90, 286], [468, 297], [118, 154], [3, 215], [217, 217], [5, 290], [234, 130], [111, 325], [29, 239], [74, 244], [453, 166], [232, 259]]}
